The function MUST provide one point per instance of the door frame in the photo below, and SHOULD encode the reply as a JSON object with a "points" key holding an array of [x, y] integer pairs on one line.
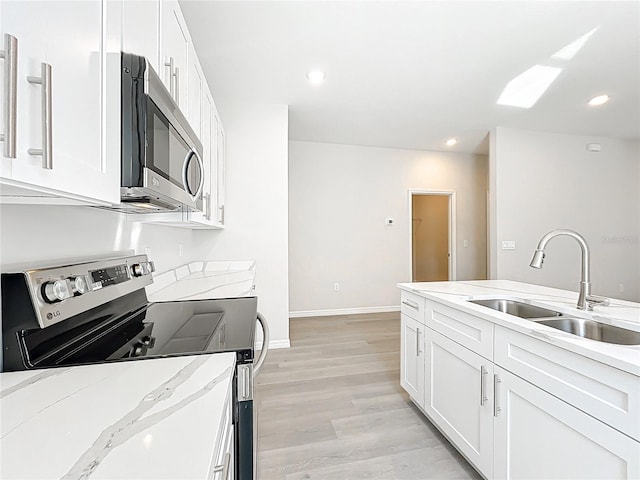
{"points": [[452, 228]]}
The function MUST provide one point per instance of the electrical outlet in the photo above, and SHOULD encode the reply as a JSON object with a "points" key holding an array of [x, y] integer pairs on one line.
{"points": [[180, 250], [621, 288], [508, 244], [465, 243], [336, 287]]}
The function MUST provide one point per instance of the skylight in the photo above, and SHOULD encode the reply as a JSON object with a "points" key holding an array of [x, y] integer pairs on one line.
{"points": [[527, 88]]}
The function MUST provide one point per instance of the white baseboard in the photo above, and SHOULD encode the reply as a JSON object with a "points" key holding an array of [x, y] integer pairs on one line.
{"points": [[274, 344], [343, 311]]}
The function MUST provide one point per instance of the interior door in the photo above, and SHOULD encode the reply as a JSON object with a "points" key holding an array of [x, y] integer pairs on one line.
{"points": [[430, 241]]}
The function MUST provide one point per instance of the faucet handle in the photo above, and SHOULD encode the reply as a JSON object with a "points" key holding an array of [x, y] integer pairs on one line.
{"points": [[593, 300]]}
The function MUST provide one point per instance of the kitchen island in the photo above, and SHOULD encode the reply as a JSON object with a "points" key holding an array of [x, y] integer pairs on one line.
{"points": [[143, 419], [518, 398]]}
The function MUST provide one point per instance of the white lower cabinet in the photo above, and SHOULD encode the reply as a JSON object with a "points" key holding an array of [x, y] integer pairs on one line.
{"points": [[224, 457], [538, 436], [459, 398], [503, 423], [412, 375]]}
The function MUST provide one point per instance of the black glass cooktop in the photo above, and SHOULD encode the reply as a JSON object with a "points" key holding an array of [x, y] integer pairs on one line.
{"points": [[150, 330]]}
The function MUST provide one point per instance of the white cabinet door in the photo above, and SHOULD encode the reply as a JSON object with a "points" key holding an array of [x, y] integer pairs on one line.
{"points": [[174, 48], [76, 129], [459, 398], [141, 30], [412, 358], [539, 436], [195, 94], [207, 218], [221, 162]]}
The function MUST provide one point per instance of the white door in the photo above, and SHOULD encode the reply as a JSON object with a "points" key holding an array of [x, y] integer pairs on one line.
{"points": [[77, 67], [539, 436], [459, 398], [412, 359]]}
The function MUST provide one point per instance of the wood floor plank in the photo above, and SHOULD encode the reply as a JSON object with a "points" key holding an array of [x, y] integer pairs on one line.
{"points": [[331, 407]]}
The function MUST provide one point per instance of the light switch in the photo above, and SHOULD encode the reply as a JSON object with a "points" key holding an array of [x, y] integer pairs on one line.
{"points": [[508, 244]]}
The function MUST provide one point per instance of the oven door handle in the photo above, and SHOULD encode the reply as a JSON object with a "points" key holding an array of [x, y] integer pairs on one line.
{"points": [[265, 345]]}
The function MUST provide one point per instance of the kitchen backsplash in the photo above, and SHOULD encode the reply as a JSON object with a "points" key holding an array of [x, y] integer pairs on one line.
{"points": [[37, 234]]}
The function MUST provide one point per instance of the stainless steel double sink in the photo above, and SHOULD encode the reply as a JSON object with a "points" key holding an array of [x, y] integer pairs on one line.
{"points": [[581, 327]]}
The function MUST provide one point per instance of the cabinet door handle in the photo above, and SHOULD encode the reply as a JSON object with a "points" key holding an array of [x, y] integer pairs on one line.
{"points": [[496, 395], [221, 207], [483, 386], [10, 55], [47, 127], [176, 74], [171, 77], [207, 205], [411, 304], [418, 342]]}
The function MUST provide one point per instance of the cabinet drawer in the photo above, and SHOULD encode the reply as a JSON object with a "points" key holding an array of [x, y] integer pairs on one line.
{"points": [[468, 330], [412, 305], [608, 394]]}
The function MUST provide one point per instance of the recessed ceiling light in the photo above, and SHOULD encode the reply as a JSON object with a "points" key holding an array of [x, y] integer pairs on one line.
{"points": [[451, 142], [599, 100], [316, 77]]}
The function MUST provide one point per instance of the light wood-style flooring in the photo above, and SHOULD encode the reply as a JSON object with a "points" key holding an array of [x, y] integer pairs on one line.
{"points": [[331, 408]]}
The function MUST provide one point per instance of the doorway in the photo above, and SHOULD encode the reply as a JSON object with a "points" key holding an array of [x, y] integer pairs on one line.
{"points": [[432, 236]]}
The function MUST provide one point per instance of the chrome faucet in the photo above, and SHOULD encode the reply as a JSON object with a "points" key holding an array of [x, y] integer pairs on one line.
{"points": [[586, 301]]}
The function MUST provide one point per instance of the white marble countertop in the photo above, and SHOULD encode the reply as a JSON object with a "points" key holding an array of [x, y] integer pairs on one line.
{"points": [[144, 419], [204, 280], [620, 313]]}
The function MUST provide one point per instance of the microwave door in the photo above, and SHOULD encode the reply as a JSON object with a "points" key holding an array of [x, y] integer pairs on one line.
{"points": [[171, 158]]}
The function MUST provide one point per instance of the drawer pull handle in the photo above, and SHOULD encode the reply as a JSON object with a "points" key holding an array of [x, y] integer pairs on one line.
{"points": [[483, 387], [411, 304]]}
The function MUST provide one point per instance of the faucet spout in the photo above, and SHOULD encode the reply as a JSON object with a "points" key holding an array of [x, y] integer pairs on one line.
{"points": [[585, 277]]}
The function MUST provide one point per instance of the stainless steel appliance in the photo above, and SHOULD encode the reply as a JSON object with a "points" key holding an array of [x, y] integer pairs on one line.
{"points": [[162, 165], [97, 311]]}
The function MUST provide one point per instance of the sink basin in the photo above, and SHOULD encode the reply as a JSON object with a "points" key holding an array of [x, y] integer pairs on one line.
{"points": [[593, 330], [519, 309]]}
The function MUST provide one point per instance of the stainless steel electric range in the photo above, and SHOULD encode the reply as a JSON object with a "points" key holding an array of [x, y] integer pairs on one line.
{"points": [[97, 311]]}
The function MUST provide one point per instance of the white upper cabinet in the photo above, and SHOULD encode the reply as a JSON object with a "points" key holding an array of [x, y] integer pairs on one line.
{"points": [[141, 30], [60, 94], [221, 163], [195, 93], [174, 51]]}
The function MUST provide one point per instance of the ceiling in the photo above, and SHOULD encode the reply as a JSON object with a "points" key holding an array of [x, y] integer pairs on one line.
{"points": [[413, 74]]}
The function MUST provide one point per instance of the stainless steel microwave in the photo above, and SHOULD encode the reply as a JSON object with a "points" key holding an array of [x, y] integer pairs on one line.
{"points": [[162, 167]]}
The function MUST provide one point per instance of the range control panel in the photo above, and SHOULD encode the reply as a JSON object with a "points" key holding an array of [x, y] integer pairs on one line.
{"points": [[61, 292]]}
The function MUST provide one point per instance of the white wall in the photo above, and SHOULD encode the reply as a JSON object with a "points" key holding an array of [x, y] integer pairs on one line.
{"points": [[32, 234], [256, 222], [543, 181], [339, 197]]}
